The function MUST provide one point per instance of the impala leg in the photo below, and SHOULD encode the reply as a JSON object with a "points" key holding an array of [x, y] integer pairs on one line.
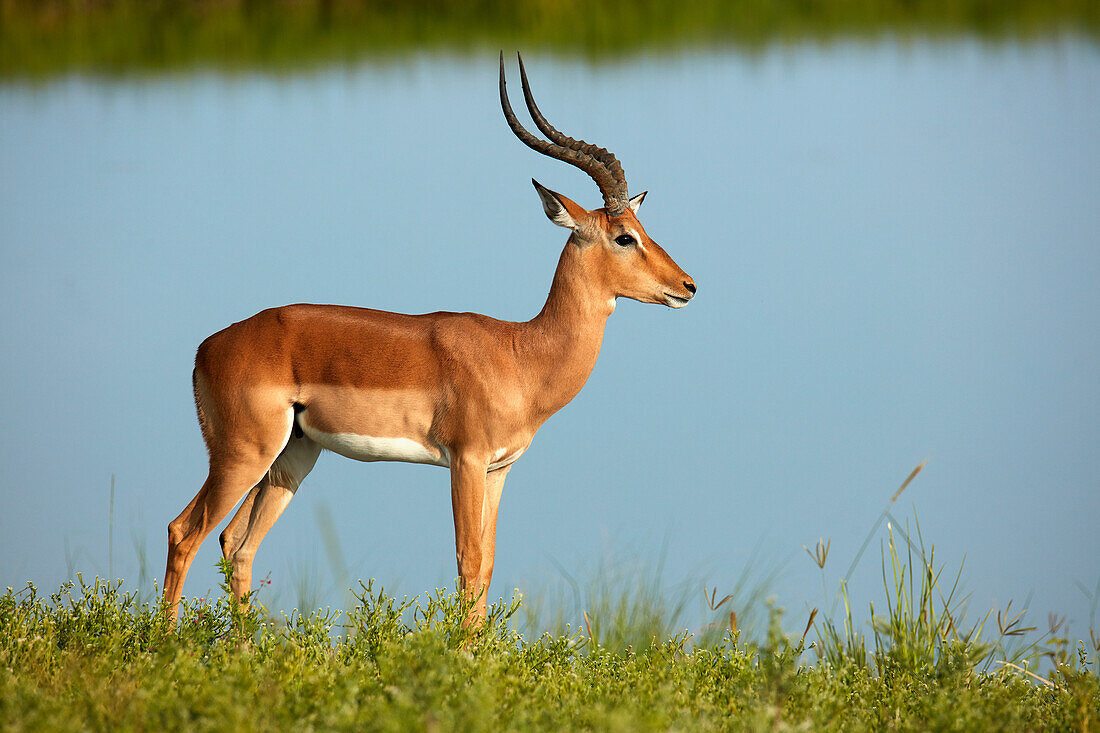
{"points": [[270, 503], [494, 486], [467, 499], [241, 453], [233, 534], [221, 491], [263, 507]]}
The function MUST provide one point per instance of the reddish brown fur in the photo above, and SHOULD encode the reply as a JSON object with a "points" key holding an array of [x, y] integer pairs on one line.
{"points": [[470, 384]]}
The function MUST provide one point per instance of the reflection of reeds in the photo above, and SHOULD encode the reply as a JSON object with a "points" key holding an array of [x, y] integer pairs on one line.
{"points": [[43, 37]]}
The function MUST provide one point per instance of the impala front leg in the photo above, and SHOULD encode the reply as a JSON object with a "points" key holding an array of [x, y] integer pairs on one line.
{"points": [[467, 500], [494, 486]]}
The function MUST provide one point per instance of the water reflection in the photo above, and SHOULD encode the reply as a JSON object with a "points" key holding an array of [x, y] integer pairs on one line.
{"points": [[45, 38]]}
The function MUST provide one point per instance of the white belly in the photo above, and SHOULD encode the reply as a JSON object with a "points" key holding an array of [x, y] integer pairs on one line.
{"points": [[374, 448]]}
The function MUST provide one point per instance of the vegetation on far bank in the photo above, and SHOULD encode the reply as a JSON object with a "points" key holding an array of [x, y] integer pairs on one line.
{"points": [[41, 38]]}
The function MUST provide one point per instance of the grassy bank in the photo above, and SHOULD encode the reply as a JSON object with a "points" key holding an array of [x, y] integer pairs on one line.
{"points": [[40, 38], [93, 657]]}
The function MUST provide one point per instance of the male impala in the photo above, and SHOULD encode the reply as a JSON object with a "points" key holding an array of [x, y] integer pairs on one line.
{"points": [[458, 390]]}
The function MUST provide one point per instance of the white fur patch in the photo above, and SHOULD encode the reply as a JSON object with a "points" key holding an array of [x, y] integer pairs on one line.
{"points": [[374, 448], [562, 218], [554, 208], [294, 463], [502, 458]]}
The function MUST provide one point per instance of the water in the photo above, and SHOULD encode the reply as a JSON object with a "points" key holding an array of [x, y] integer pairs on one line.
{"points": [[897, 257]]}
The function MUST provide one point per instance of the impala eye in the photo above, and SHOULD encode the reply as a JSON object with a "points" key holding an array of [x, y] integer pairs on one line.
{"points": [[625, 240]]}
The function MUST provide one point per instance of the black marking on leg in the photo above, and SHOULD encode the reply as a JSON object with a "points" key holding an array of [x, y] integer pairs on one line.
{"points": [[296, 429]]}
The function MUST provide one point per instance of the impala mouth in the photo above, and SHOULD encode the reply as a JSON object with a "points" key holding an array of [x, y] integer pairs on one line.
{"points": [[675, 301]]}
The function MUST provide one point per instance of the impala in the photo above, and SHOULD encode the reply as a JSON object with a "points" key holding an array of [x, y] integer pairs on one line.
{"points": [[458, 390]]}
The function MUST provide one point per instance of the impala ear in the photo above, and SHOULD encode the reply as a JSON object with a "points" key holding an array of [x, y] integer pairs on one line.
{"points": [[636, 201], [560, 209]]}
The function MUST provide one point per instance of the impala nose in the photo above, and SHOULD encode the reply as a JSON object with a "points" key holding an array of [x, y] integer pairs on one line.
{"points": [[690, 285]]}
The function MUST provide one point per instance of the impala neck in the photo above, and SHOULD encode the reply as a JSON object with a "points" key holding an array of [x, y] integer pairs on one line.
{"points": [[563, 340]]}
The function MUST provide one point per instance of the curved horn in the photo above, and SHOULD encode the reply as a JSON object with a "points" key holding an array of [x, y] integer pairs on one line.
{"points": [[603, 155], [614, 193]]}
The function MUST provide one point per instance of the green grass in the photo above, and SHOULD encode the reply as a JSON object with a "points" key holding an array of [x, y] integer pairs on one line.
{"points": [[41, 38], [91, 656]]}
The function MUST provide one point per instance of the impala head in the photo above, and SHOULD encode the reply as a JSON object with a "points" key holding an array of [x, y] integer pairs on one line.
{"points": [[615, 247]]}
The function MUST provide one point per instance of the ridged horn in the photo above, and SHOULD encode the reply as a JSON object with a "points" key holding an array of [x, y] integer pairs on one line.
{"points": [[601, 165], [603, 155]]}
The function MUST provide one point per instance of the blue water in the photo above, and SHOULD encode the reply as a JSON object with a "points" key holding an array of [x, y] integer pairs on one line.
{"points": [[897, 253]]}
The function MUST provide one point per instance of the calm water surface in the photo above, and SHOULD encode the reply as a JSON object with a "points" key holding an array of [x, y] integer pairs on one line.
{"points": [[897, 253]]}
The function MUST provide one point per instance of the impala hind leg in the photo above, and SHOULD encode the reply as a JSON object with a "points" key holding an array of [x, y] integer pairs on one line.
{"points": [[233, 534], [221, 491], [263, 506], [237, 464]]}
